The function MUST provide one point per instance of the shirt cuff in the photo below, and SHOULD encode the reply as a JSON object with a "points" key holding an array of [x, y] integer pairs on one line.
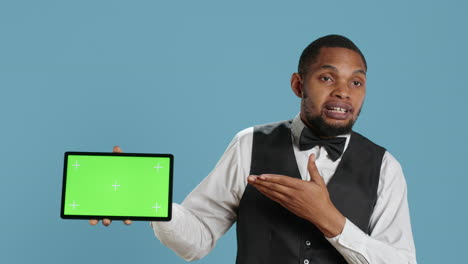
{"points": [[351, 238]]}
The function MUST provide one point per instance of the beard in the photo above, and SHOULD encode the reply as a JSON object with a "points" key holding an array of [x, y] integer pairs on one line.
{"points": [[323, 129]]}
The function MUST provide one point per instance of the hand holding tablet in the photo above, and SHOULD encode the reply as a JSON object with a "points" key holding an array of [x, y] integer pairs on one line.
{"points": [[107, 186], [105, 221]]}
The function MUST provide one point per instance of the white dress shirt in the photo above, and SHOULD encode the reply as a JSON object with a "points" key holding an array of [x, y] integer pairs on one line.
{"points": [[210, 209]]}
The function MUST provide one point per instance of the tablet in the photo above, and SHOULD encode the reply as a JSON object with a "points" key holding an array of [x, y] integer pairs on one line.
{"points": [[134, 186]]}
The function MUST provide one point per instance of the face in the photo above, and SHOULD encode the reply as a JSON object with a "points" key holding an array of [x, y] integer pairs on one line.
{"points": [[332, 91]]}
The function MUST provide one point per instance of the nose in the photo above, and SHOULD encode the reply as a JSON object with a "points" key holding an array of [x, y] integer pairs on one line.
{"points": [[341, 91]]}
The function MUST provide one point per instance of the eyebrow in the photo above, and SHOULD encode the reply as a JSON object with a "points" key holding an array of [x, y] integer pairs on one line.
{"points": [[333, 68]]}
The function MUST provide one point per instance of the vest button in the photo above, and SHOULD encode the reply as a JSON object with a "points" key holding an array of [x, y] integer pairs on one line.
{"points": [[306, 261], [307, 243]]}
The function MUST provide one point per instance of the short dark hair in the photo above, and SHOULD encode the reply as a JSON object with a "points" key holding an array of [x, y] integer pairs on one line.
{"points": [[310, 53]]}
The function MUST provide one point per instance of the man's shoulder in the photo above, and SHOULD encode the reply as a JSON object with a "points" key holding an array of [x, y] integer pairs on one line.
{"points": [[245, 136], [388, 160], [365, 142], [266, 127], [269, 127]]}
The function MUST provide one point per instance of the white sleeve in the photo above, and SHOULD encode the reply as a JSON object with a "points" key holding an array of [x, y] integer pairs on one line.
{"points": [[210, 209], [391, 238]]}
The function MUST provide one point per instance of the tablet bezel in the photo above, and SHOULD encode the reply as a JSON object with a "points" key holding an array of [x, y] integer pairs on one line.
{"points": [[113, 217]]}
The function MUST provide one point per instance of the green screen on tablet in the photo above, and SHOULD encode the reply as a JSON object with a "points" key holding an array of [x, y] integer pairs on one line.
{"points": [[99, 185]]}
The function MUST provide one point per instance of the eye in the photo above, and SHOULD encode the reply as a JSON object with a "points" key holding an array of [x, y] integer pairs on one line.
{"points": [[356, 83], [326, 78]]}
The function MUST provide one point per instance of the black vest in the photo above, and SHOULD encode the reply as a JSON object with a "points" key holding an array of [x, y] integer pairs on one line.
{"points": [[268, 233]]}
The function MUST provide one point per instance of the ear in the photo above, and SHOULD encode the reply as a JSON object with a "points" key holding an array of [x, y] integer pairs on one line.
{"points": [[296, 84]]}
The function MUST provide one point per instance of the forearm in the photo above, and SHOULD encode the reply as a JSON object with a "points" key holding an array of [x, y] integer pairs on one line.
{"points": [[210, 209], [185, 234], [359, 248], [390, 239], [331, 222]]}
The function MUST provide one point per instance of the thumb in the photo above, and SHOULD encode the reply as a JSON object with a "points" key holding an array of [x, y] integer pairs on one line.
{"points": [[313, 171]]}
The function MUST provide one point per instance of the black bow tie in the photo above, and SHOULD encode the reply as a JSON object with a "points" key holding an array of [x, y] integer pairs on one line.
{"points": [[334, 146]]}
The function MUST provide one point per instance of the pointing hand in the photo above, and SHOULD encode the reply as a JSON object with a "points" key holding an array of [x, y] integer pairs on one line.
{"points": [[307, 199]]}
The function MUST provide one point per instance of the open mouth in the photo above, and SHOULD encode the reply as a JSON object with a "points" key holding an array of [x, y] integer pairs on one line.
{"points": [[338, 110]]}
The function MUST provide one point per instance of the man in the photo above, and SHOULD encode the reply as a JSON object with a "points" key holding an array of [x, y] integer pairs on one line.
{"points": [[308, 190]]}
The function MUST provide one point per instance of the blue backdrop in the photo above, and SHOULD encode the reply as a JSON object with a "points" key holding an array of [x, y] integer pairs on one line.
{"points": [[88, 75]]}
